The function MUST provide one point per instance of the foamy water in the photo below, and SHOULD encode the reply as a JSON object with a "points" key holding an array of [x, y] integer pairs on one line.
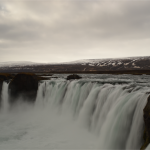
{"points": [[40, 129]]}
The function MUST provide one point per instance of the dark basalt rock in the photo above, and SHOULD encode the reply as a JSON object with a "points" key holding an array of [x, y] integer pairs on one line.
{"points": [[146, 116], [6, 76], [23, 86], [73, 76], [1, 84]]}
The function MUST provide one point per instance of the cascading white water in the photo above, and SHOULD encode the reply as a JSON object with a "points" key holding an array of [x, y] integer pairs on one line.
{"points": [[113, 112], [105, 116], [4, 97]]}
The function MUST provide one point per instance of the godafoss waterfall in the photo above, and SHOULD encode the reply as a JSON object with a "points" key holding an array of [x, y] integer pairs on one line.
{"points": [[95, 112]]}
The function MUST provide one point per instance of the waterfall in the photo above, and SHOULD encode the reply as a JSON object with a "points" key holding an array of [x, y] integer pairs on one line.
{"points": [[111, 115], [4, 96], [112, 112]]}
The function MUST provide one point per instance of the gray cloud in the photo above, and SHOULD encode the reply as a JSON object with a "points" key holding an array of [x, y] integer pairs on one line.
{"points": [[53, 31]]}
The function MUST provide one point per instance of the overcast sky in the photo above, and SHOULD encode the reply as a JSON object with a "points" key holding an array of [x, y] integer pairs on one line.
{"points": [[68, 30]]}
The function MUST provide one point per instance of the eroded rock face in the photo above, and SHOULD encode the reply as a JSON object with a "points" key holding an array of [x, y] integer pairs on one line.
{"points": [[146, 136], [23, 86], [73, 76], [6, 76], [1, 84]]}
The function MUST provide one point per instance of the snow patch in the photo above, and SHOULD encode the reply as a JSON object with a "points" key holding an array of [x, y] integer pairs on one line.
{"points": [[91, 65], [136, 67], [119, 63]]}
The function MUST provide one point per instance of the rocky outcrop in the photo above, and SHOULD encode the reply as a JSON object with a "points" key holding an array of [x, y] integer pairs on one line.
{"points": [[23, 86], [6, 76], [73, 76], [1, 84], [146, 136]]}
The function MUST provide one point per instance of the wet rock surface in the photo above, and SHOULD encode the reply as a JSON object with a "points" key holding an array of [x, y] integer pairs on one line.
{"points": [[24, 87], [1, 84], [73, 76], [146, 136], [6, 76]]}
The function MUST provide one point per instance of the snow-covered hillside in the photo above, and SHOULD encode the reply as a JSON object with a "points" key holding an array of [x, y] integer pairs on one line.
{"points": [[117, 64], [111, 61]]}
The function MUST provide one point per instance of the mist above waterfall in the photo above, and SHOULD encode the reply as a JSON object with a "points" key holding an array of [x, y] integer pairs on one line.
{"points": [[96, 112]]}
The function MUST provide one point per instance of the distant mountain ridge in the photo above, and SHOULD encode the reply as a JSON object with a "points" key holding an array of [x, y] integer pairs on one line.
{"points": [[87, 65]]}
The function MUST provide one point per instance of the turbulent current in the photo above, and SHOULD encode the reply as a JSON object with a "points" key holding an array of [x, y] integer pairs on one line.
{"points": [[95, 112]]}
